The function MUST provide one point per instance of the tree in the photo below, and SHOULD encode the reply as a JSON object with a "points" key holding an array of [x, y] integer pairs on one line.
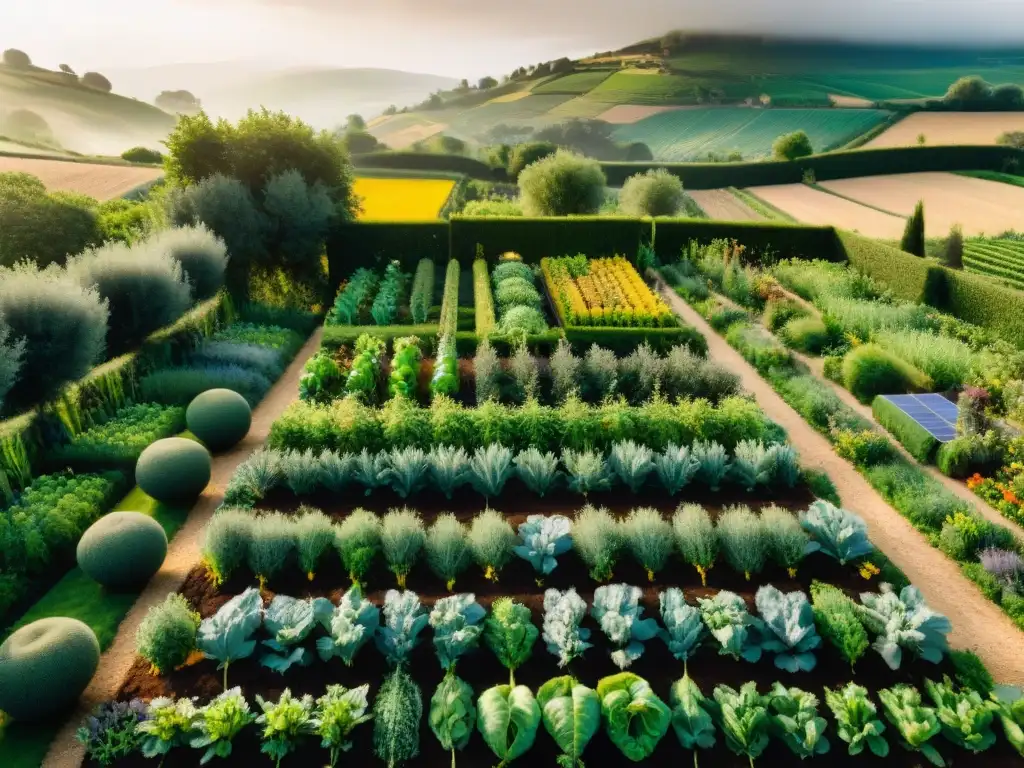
{"points": [[463, 85], [671, 41], [486, 83], [355, 123], [562, 184], [969, 90], [67, 70], [561, 66], [361, 142], [791, 146], [1009, 96], [953, 250], [525, 154], [638, 152], [178, 102], [654, 193], [541, 70], [26, 125], [299, 216], [1013, 139], [17, 59], [97, 81], [41, 227], [913, 234]]}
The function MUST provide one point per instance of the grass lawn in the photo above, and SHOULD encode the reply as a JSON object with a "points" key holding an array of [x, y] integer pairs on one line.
{"points": [[78, 597]]}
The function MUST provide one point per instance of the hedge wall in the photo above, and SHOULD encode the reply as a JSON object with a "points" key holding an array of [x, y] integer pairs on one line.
{"points": [[533, 239], [372, 244], [785, 239], [978, 300], [904, 274], [425, 161], [623, 341], [832, 165]]}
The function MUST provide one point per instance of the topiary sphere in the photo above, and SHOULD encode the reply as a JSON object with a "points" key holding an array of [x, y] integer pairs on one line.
{"points": [[122, 549], [173, 470], [219, 417], [45, 666]]}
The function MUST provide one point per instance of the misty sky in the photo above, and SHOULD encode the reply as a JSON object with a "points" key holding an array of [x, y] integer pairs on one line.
{"points": [[452, 37]]}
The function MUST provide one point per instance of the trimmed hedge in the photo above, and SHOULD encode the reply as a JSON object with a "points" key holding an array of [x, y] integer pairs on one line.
{"points": [[174, 470], [336, 336], [535, 238], [424, 161], [220, 418], [622, 341], [905, 275], [911, 435], [979, 300], [372, 244], [122, 550], [787, 240]]}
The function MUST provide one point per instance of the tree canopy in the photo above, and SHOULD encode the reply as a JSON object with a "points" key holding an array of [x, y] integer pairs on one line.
{"points": [[791, 146], [562, 184]]}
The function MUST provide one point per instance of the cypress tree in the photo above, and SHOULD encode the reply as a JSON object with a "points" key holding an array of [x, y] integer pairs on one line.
{"points": [[913, 235], [953, 254]]}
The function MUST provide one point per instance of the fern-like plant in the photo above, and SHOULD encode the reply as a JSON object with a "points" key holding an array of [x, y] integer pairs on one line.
{"points": [[631, 464], [597, 539], [587, 471], [448, 552], [648, 538], [787, 541], [714, 464], [743, 540], [314, 536], [490, 469], [358, 543], [402, 538], [538, 471], [491, 540], [696, 538], [449, 468], [405, 470], [369, 470], [675, 467]]}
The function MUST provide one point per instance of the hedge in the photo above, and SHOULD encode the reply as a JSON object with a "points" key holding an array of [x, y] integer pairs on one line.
{"points": [[336, 336], [785, 239], [622, 341], [904, 274], [832, 165], [373, 244], [978, 300], [425, 161], [916, 439], [535, 238]]}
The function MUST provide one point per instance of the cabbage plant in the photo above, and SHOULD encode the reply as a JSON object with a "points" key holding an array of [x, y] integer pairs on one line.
{"points": [[351, 625], [836, 532], [904, 622], [457, 626], [691, 720], [795, 721], [543, 539], [217, 724], [337, 713], [289, 622], [726, 617], [510, 634], [563, 612], [915, 723], [617, 610], [404, 619], [684, 629], [634, 717], [228, 635], [788, 628], [452, 714], [743, 718], [856, 720]]}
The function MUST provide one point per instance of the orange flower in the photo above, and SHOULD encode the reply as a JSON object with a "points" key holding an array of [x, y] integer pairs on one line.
{"points": [[974, 481], [1010, 497]]}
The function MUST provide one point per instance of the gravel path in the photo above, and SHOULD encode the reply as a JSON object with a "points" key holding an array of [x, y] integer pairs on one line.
{"points": [[183, 553], [978, 624]]}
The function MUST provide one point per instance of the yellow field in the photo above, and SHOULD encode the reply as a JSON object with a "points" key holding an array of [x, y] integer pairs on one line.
{"points": [[402, 199], [509, 97]]}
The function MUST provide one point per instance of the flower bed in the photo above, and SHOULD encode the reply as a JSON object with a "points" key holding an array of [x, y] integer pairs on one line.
{"points": [[603, 292], [118, 442]]}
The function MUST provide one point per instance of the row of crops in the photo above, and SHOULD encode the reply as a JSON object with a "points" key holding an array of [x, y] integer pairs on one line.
{"points": [[1000, 259]]}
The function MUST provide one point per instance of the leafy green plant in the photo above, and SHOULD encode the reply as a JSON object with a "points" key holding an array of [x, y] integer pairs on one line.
{"points": [[402, 538], [397, 713], [111, 731], [449, 468], [696, 538], [1011, 715], [563, 613], [321, 379], [490, 469], [368, 469], [167, 636], [837, 620], [587, 471], [491, 540], [168, 726], [971, 673], [227, 636], [795, 721], [406, 470], [597, 539], [856, 720], [457, 626], [353, 298], [684, 629], [631, 464], [904, 622], [422, 294], [965, 717], [743, 717], [314, 536], [271, 547], [571, 713], [389, 295], [289, 622], [448, 552], [404, 619], [648, 536], [617, 610], [788, 628], [510, 634], [300, 470], [445, 380], [838, 533], [452, 713], [690, 718], [364, 374], [634, 717], [284, 723], [507, 718], [675, 467], [787, 541], [743, 540], [915, 723], [350, 626], [218, 723], [538, 471], [337, 714], [726, 617], [714, 463], [358, 542], [543, 539]]}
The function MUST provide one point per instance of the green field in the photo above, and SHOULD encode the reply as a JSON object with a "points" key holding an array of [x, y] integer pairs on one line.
{"points": [[1002, 260], [480, 119], [646, 88], [575, 84], [691, 134]]}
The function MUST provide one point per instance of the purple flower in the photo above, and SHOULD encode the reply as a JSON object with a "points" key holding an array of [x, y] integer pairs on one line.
{"points": [[1002, 563]]}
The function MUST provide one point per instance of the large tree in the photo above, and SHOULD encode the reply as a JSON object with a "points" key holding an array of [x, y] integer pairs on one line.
{"points": [[655, 193], [17, 59], [913, 233], [180, 102], [791, 146], [97, 81], [562, 184]]}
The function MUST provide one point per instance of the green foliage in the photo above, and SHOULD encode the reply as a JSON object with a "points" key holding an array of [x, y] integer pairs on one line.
{"points": [[675, 467], [120, 440], [696, 538], [167, 635], [743, 540], [404, 619], [526, 154], [690, 719], [648, 537], [904, 622], [351, 625], [111, 732], [284, 723], [522, 319], [219, 417], [806, 334], [452, 713], [168, 725], [726, 617], [743, 717], [965, 717], [792, 146], [337, 714], [314, 537], [787, 541], [571, 713], [142, 155], [795, 721], [597, 539], [654, 193], [543, 538], [635, 718], [122, 550], [272, 546], [562, 184], [507, 718], [836, 618], [402, 539], [219, 722], [390, 295], [913, 234], [510, 634], [422, 296], [202, 255], [447, 550], [836, 532], [227, 542], [856, 719], [491, 540], [788, 628], [915, 723], [538, 471], [870, 370], [971, 672], [449, 468], [490, 468], [227, 635]]}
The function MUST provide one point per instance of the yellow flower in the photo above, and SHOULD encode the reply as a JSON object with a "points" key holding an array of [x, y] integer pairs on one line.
{"points": [[868, 569]]}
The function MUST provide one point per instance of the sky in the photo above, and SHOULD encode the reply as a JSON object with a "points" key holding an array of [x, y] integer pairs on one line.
{"points": [[458, 38]]}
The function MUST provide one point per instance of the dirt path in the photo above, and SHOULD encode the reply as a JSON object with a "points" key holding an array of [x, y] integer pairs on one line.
{"points": [[978, 624], [183, 553], [723, 204]]}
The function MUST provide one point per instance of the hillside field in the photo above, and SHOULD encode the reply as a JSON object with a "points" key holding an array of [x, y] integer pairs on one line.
{"points": [[949, 128], [395, 199], [999, 259], [102, 182], [812, 206], [690, 134]]}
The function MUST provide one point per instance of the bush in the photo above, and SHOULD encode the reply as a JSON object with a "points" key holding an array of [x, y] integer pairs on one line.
{"points": [[526, 154], [806, 334], [778, 312], [63, 326], [654, 193], [299, 215], [173, 470], [45, 666], [142, 155], [495, 206], [792, 146], [167, 635], [953, 248], [516, 292], [11, 351], [179, 386], [143, 286], [913, 233], [563, 184], [869, 371], [202, 255], [122, 550], [40, 227], [97, 81], [220, 418], [527, 320]]}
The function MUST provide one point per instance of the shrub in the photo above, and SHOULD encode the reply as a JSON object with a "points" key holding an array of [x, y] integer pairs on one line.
{"points": [[913, 233], [144, 289], [179, 386], [806, 334], [654, 193], [791, 146], [358, 543], [526, 154], [971, 672], [299, 214], [696, 538], [272, 547], [45, 666], [507, 270], [869, 370], [203, 257], [122, 550], [167, 636], [448, 552], [422, 296], [516, 292], [953, 248], [649, 539], [778, 312], [491, 540], [597, 539], [954, 458], [787, 541], [142, 155], [836, 619], [743, 540], [528, 320], [173, 470], [314, 536], [402, 538], [11, 352], [916, 439], [562, 184], [62, 325], [220, 418], [949, 362]]}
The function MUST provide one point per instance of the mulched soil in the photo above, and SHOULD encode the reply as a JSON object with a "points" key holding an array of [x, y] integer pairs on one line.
{"points": [[481, 670]]}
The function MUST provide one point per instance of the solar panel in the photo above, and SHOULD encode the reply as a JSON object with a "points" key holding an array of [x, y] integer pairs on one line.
{"points": [[932, 412]]}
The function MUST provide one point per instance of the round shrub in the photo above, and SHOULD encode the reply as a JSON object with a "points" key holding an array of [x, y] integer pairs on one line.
{"points": [[806, 334], [516, 292], [122, 549], [202, 255], [219, 417], [869, 371], [563, 184], [954, 457], [654, 193], [778, 312], [522, 319], [526, 154], [167, 635], [509, 269], [45, 666], [173, 470], [143, 286], [142, 155]]}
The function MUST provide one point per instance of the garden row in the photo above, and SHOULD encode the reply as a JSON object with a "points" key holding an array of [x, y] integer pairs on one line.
{"points": [[998, 258]]}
